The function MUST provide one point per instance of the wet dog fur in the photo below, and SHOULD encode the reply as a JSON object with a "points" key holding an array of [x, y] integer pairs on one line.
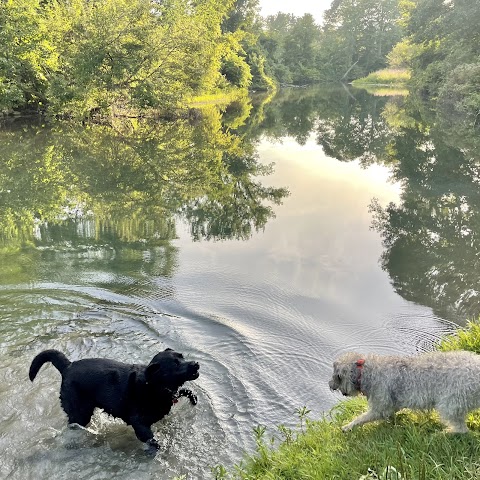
{"points": [[140, 395]]}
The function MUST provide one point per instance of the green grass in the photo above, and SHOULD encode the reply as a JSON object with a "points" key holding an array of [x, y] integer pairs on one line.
{"points": [[467, 338], [385, 90], [413, 446], [387, 76], [221, 97]]}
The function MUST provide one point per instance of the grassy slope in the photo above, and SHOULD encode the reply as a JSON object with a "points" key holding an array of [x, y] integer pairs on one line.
{"points": [[387, 76], [414, 444]]}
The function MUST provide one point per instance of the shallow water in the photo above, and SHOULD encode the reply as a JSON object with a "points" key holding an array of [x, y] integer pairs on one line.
{"points": [[264, 317]]}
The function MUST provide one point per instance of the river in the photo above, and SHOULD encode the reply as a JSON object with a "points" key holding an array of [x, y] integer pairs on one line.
{"points": [[261, 245]]}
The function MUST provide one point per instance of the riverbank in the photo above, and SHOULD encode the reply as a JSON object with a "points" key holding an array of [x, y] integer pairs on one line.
{"points": [[413, 446], [392, 77], [218, 98]]}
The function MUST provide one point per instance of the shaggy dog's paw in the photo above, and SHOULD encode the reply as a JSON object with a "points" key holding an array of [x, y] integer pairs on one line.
{"points": [[347, 427], [459, 430]]}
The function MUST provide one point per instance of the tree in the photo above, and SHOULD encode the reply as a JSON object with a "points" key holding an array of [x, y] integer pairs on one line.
{"points": [[364, 31], [273, 40], [301, 48], [242, 26], [291, 46], [236, 70], [241, 16], [26, 54], [447, 41], [132, 53], [79, 57]]}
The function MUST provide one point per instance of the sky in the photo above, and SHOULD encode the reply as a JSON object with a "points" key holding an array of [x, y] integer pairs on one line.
{"points": [[297, 7]]}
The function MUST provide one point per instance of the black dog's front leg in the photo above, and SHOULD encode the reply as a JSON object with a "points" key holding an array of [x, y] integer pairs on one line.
{"points": [[185, 392], [144, 434]]}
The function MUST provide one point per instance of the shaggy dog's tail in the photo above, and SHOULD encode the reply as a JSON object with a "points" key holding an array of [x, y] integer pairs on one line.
{"points": [[59, 360]]}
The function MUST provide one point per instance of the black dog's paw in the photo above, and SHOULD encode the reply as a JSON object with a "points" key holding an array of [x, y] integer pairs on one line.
{"points": [[185, 392], [152, 446]]}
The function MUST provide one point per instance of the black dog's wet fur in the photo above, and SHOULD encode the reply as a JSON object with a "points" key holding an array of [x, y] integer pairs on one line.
{"points": [[138, 394]]}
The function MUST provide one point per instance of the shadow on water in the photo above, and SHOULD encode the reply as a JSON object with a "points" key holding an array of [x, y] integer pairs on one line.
{"points": [[244, 241]]}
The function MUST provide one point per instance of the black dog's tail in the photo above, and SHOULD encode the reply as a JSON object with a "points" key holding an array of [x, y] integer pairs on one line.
{"points": [[59, 360]]}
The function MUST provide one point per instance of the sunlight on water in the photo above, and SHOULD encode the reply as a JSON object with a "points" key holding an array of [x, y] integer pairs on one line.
{"points": [[309, 160]]}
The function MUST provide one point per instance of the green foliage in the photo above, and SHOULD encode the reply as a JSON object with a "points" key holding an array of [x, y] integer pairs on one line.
{"points": [[446, 39], [126, 57], [126, 54], [241, 16], [402, 54], [467, 338], [413, 447], [291, 45], [25, 55], [272, 41], [86, 58], [244, 28], [80, 57], [236, 70], [260, 80], [301, 49], [459, 96]]}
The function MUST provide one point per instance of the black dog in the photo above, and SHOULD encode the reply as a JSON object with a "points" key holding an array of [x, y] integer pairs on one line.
{"points": [[138, 394]]}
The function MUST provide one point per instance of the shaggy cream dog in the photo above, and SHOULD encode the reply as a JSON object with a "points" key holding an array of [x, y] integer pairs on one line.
{"points": [[446, 381]]}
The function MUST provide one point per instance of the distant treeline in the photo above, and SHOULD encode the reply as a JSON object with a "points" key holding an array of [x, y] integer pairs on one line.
{"points": [[77, 58]]}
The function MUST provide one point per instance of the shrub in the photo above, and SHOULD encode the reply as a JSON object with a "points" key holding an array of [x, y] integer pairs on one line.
{"points": [[236, 70], [459, 97]]}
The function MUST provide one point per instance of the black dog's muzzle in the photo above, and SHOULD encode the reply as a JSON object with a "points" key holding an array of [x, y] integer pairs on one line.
{"points": [[193, 369]]}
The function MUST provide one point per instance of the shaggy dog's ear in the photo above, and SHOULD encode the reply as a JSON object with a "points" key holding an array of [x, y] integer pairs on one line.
{"points": [[346, 373], [353, 371]]}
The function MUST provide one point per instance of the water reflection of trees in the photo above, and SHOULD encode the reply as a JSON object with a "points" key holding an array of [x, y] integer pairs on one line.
{"points": [[347, 124], [357, 130], [432, 247], [240, 208], [124, 185]]}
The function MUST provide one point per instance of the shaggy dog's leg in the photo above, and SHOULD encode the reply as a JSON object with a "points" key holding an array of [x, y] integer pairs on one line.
{"points": [[457, 428], [455, 421], [369, 416]]}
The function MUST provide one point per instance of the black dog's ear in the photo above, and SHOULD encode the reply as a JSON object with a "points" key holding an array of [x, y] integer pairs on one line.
{"points": [[168, 350], [152, 370]]}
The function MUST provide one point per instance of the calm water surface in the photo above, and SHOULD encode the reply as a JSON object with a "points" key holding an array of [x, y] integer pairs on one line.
{"points": [[261, 286]]}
